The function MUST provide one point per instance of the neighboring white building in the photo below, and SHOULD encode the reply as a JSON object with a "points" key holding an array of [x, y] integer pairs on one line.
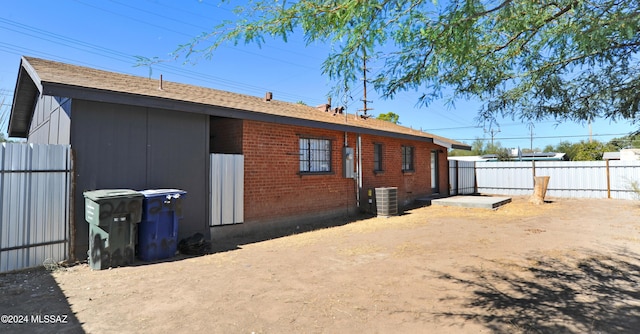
{"points": [[468, 158], [515, 155], [630, 154], [611, 156], [626, 154]]}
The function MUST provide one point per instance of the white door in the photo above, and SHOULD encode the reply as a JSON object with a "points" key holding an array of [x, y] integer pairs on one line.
{"points": [[434, 172]]}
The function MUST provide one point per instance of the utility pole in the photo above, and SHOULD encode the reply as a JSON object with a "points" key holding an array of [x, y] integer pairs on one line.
{"points": [[364, 83], [590, 133], [531, 132], [345, 100], [493, 133]]}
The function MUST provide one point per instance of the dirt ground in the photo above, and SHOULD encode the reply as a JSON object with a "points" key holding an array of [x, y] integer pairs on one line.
{"points": [[568, 266]]}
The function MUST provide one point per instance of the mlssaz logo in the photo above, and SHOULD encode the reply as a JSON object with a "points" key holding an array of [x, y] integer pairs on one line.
{"points": [[49, 318]]}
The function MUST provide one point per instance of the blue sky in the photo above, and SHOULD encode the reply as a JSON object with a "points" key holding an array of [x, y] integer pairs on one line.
{"points": [[110, 34]]}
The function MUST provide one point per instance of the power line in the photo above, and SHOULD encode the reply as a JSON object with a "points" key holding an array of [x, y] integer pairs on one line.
{"points": [[480, 127], [163, 27], [119, 56], [456, 128], [134, 19], [173, 9], [137, 20], [164, 17], [549, 137], [12, 49]]}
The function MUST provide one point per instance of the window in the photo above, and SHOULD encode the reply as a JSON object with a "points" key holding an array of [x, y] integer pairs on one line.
{"points": [[407, 158], [377, 157], [315, 155]]}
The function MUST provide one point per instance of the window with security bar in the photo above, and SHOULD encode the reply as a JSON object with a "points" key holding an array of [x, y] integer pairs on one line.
{"points": [[407, 158], [315, 155]]}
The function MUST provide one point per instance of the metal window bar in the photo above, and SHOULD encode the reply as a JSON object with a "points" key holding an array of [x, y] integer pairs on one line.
{"points": [[315, 155], [407, 158]]}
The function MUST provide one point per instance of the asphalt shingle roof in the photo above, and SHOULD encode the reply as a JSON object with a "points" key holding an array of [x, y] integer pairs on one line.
{"points": [[51, 73]]}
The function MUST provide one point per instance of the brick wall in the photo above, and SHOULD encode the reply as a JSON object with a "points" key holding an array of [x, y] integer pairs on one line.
{"points": [[275, 188], [273, 185], [412, 184]]}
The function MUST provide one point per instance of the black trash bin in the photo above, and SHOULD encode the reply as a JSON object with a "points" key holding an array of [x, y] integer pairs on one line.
{"points": [[112, 215]]}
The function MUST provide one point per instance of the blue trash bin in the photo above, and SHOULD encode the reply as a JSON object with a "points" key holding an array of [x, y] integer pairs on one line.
{"points": [[158, 230]]}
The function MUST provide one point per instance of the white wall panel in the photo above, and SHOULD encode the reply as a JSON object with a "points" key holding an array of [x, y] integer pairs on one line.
{"points": [[227, 189]]}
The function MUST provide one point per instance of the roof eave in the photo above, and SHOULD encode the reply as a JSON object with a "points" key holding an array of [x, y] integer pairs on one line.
{"points": [[28, 89], [93, 94], [451, 145], [461, 147], [30, 86]]}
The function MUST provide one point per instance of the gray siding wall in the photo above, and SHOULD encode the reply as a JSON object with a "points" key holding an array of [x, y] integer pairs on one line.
{"points": [[122, 146], [51, 122]]}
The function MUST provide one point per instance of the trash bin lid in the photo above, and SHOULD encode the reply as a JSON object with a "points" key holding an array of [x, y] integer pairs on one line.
{"points": [[169, 193], [96, 195]]}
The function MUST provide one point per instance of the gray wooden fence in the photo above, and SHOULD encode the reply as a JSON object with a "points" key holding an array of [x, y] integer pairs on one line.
{"points": [[568, 179], [34, 204]]}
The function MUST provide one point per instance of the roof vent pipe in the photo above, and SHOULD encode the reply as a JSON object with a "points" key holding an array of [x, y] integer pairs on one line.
{"points": [[268, 97], [160, 87]]}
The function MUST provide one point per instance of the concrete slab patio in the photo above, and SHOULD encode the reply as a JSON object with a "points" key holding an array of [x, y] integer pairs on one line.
{"points": [[486, 202]]}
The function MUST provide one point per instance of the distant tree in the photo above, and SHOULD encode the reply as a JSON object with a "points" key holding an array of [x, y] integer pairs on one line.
{"points": [[565, 147], [582, 151], [494, 148], [549, 148], [477, 147], [503, 154], [390, 117], [480, 147], [460, 153], [2, 137], [483, 147], [588, 151], [629, 141], [301, 103]]}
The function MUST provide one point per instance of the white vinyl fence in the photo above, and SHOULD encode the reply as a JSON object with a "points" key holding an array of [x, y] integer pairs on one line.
{"points": [[569, 179], [34, 204]]}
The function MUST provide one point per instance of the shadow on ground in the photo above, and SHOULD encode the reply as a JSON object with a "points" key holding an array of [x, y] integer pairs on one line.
{"points": [[596, 293], [32, 302], [229, 243]]}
